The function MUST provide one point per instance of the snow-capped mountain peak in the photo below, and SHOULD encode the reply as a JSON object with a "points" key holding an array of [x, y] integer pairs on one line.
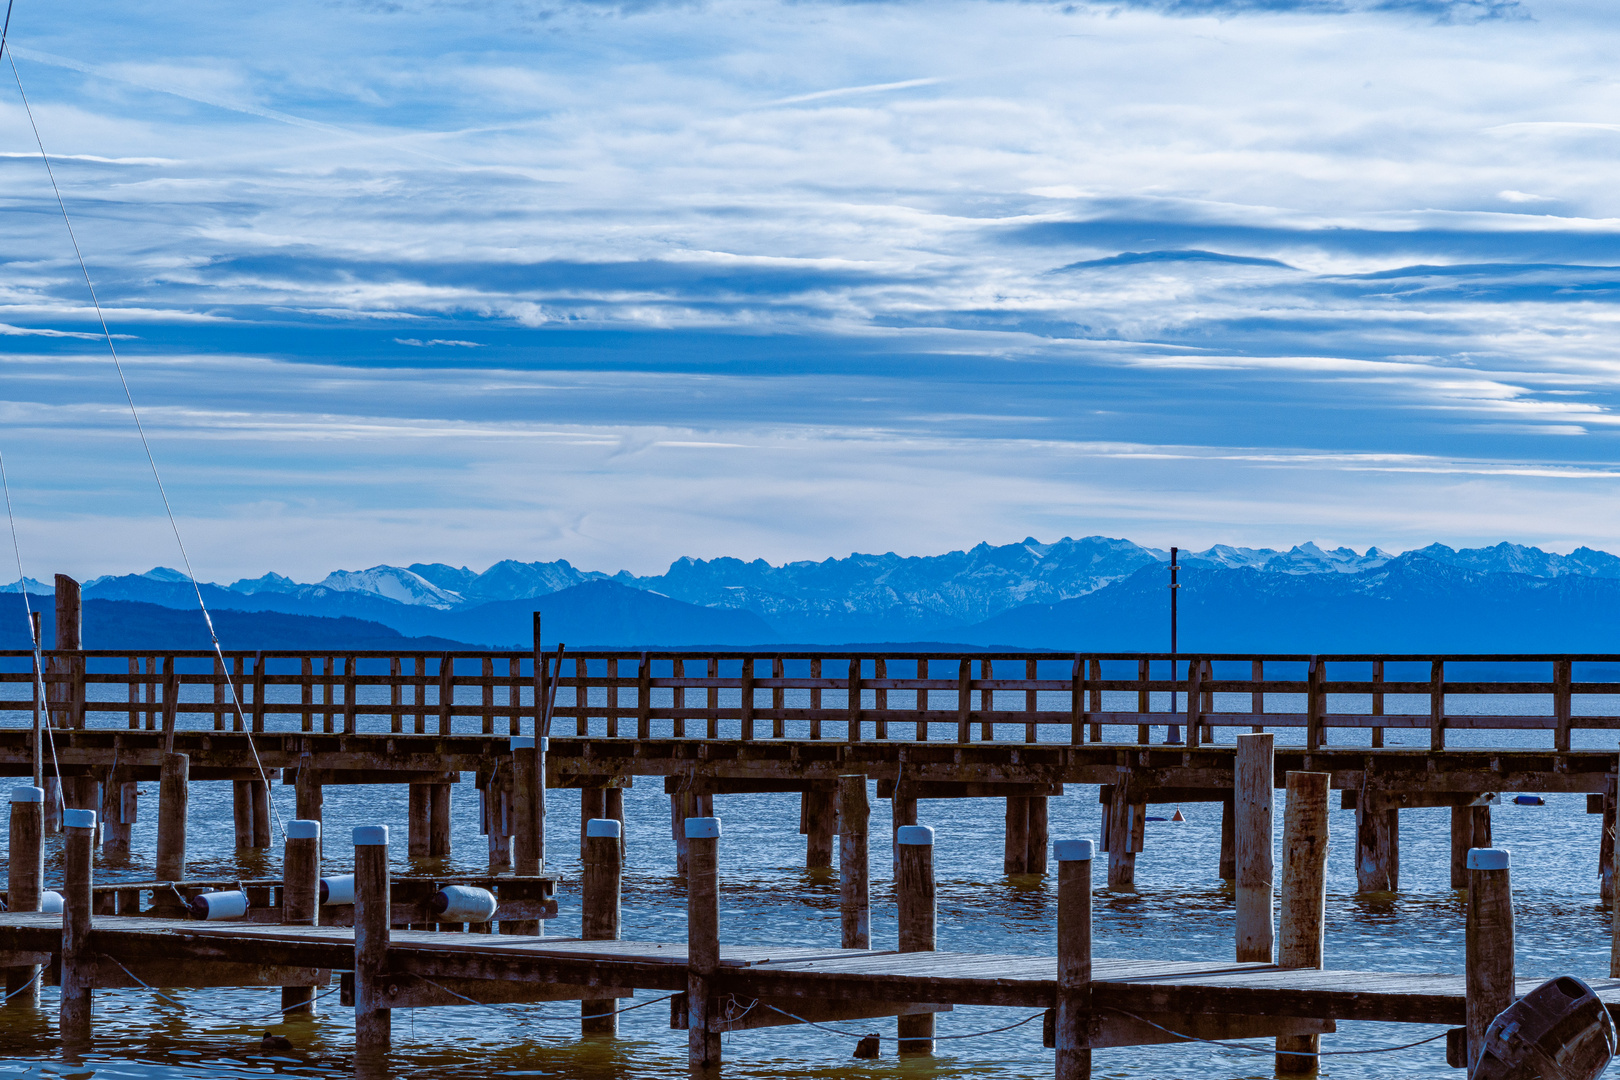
{"points": [[392, 583]]}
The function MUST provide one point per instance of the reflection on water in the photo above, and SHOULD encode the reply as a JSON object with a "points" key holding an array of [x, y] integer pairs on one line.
{"points": [[1181, 910]]}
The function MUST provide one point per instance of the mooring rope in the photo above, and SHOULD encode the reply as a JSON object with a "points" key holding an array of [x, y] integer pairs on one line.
{"points": [[281, 1012], [901, 1038], [38, 971], [140, 429], [541, 1016], [1261, 1050]]}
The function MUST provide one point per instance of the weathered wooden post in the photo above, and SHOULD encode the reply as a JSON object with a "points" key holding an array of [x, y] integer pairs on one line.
{"points": [[300, 897], [819, 823], [1015, 847], [1470, 828], [77, 957], [25, 872], [854, 905], [242, 814], [371, 924], [1489, 944], [1614, 911], [260, 790], [418, 820], [1304, 899], [439, 823], [1036, 862], [599, 913], [1123, 830], [174, 794], [592, 805], [914, 886], [1253, 779], [529, 835], [702, 939], [307, 798], [1074, 958]]}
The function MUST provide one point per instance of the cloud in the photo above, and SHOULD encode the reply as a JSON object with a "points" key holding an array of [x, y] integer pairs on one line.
{"points": [[420, 344]]}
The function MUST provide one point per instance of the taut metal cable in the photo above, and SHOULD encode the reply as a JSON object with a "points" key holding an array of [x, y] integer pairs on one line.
{"points": [[28, 607], [151, 460]]}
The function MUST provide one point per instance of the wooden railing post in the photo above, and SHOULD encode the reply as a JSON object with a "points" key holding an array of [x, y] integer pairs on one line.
{"points": [[1144, 702], [880, 700], [351, 688], [1437, 705], [1315, 705], [1096, 701], [1304, 899], [1561, 705], [1195, 699], [922, 701], [713, 695], [447, 692], [613, 697], [1377, 703], [1253, 781], [854, 905], [306, 693], [1074, 858], [1077, 702], [853, 700], [964, 701], [372, 921], [644, 698], [778, 700], [396, 718], [1488, 944], [987, 702], [702, 939], [746, 705]]}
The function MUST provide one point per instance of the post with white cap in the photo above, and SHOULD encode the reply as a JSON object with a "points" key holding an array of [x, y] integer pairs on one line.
{"points": [[854, 904], [914, 886], [1074, 958], [1489, 944], [25, 872], [702, 938], [599, 912], [371, 922], [78, 846], [173, 795], [300, 897]]}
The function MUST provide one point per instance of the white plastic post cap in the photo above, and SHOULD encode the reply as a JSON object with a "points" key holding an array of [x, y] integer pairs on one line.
{"points": [[79, 819], [27, 794], [303, 829], [915, 835], [522, 742], [1488, 858], [703, 828], [609, 827], [1074, 850], [371, 836], [544, 743]]}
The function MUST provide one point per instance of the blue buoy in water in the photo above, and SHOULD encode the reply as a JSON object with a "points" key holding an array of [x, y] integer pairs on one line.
{"points": [[1530, 800]]}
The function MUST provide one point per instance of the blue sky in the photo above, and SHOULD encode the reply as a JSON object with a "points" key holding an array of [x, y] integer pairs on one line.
{"points": [[618, 283]]}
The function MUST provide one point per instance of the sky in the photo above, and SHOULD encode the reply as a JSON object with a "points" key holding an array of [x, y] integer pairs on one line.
{"points": [[617, 283]]}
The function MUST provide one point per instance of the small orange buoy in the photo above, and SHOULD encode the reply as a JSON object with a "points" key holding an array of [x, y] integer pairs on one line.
{"points": [[1177, 815]]}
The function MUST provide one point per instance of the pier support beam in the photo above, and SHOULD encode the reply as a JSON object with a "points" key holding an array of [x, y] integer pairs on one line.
{"points": [[854, 904], [1378, 844], [1606, 850], [818, 821], [1253, 780], [1228, 858], [1470, 828], [439, 821], [592, 806], [529, 805], [1124, 825], [300, 898], [418, 819], [174, 794], [683, 805], [902, 812], [702, 941], [372, 918], [307, 800], [600, 884], [25, 872], [79, 827], [1304, 900], [259, 793], [118, 808], [242, 814], [1489, 944], [1025, 849], [1073, 959], [914, 887]]}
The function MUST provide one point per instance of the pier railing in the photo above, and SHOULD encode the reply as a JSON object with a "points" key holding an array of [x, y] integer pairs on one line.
{"points": [[831, 694]]}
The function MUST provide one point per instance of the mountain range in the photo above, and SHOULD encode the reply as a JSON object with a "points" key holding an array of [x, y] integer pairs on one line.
{"points": [[1092, 593]]}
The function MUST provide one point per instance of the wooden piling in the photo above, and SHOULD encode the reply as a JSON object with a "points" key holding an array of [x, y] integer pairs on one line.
{"points": [[602, 872], [307, 799], [1253, 779], [1489, 944], [854, 904], [702, 939], [820, 825], [25, 873], [1304, 899], [1378, 844], [300, 898], [372, 919], [118, 808], [1228, 857], [1035, 857], [1015, 847], [529, 805], [259, 794], [418, 819], [1470, 828], [439, 821], [914, 888], [1074, 859], [174, 794], [242, 814], [78, 960], [1124, 825]]}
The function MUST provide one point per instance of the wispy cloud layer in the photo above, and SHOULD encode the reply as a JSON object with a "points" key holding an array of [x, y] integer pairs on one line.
{"points": [[618, 282]]}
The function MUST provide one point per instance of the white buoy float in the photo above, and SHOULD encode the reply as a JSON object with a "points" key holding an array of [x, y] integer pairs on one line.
{"points": [[212, 907], [463, 903], [50, 902], [337, 891]]}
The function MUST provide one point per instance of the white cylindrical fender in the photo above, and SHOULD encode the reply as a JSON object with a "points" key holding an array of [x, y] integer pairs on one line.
{"points": [[463, 903], [50, 902], [336, 891], [214, 906]]}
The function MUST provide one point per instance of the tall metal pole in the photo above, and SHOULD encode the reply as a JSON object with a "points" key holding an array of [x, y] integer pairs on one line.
{"points": [[39, 760], [1173, 736]]}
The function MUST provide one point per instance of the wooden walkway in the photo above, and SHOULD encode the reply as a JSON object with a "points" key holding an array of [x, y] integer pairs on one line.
{"points": [[777, 973]]}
